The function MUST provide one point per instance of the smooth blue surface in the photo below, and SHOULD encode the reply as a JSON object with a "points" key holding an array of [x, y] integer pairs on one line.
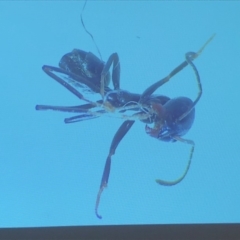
{"points": [[50, 172]]}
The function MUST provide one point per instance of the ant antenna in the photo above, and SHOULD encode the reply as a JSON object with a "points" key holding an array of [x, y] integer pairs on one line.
{"points": [[88, 31]]}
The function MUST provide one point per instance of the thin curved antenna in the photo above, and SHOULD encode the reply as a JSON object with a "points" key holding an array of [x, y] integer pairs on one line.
{"points": [[88, 31], [190, 56], [174, 182]]}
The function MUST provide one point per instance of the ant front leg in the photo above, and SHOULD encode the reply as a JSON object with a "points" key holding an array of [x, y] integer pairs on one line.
{"points": [[187, 114], [150, 90], [124, 128], [178, 120], [113, 59], [189, 58]]}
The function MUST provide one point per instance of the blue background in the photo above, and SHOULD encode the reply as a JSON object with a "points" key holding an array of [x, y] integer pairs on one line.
{"points": [[50, 172]]}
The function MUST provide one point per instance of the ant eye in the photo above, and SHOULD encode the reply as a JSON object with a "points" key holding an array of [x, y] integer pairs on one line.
{"points": [[164, 132]]}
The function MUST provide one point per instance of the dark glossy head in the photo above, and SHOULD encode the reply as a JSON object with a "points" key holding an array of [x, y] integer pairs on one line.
{"points": [[170, 123]]}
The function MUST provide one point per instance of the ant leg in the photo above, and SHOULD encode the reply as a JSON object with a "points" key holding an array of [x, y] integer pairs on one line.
{"points": [[190, 56], [113, 59], [53, 71], [171, 183], [189, 59], [150, 90], [124, 128]]}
